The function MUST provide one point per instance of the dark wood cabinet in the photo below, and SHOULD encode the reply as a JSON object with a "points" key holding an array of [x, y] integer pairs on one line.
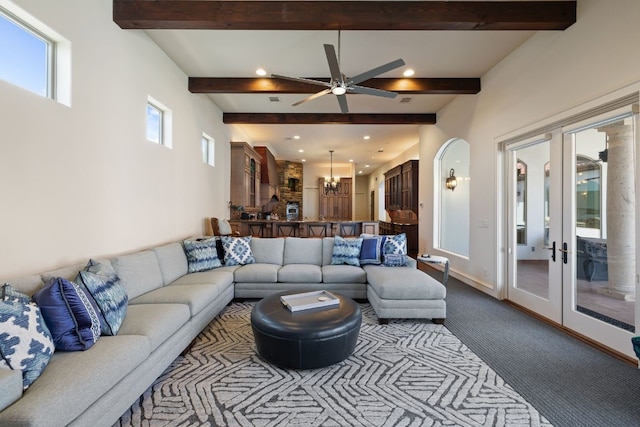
{"points": [[411, 230], [401, 187], [336, 206], [245, 175], [393, 189]]}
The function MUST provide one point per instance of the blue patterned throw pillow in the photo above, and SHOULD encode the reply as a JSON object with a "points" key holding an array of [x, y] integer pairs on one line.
{"points": [[395, 244], [346, 251], [371, 252], [25, 340], [103, 284], [69, 313], [237, 250], [202, 255], [395, 260]]}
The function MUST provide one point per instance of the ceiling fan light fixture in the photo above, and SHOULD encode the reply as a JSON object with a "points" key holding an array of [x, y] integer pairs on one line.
{"points": [[339, 90]]}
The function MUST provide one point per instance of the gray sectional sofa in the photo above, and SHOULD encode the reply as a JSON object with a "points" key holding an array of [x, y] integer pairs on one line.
{"points": [[167, 309]]}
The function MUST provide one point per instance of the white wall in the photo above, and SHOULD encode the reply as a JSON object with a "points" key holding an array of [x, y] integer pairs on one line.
{"points": [[548, 75], [82, 181]]}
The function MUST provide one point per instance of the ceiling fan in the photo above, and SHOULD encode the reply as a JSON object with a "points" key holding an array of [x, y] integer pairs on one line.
{"points": [[341, 85]]}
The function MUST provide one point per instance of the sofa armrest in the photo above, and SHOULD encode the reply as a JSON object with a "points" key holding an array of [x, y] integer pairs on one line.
{"points": [[10, 387], [412, 262]]}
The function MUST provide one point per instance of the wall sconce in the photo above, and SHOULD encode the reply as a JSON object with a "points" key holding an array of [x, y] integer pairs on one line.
{"points": [[452, 181]]}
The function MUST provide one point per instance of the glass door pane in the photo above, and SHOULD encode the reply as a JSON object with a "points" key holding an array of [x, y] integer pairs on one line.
{"points": [[604, 281], [533, 272]]}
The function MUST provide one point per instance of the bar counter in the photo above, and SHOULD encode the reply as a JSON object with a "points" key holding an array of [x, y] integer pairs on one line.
{"points": [[302, 228]]}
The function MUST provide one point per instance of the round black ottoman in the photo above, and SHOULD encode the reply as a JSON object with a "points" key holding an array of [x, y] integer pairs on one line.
{"points": [[305, 339]]}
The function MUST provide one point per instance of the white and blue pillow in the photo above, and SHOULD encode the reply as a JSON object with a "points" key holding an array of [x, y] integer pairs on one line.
{"points": [[237, 250], [69, 313], [346, 251], [371, 251], [396, 244], [25, 341], [202, 255], [395, 260], [103, 284]]}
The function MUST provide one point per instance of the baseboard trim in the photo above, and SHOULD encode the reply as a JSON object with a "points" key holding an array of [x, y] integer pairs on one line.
{"points": [[608, 350]]}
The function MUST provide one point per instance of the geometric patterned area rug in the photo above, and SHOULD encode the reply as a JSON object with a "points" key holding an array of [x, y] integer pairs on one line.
{"points": [[405, 373]]}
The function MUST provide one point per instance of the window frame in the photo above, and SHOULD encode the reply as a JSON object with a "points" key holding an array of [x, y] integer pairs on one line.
{"points": [[164, 127], [207, 149], [50, 53]]}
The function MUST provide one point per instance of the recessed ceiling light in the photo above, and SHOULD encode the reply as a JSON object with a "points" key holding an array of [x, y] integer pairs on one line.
{"points": [[366, 137], [296, 136], [408, 72], [366, 166], [360, 172], [261, 72], [301, 151], [304, 160], [350, 160]]}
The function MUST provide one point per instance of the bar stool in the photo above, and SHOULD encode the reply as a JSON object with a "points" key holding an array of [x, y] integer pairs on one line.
{"points": [[317, 230], [256, 229], [348, 229], [284, 229]]}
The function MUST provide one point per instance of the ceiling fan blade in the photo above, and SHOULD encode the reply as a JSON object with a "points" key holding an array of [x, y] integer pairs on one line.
{"points": [[332, 59], [342, 100], [314, 96], [302, 80], [376, 71], [371, 91]]}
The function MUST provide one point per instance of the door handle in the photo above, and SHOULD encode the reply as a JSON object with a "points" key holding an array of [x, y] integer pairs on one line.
{"points": [[553, 251], [564, 251]]}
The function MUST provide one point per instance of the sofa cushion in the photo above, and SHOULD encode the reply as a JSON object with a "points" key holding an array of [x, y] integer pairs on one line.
{"points": [[218, 277], [10, 387], [327, 250], [139, 272], [70, 315], [371, 251], [257, 273], [300, 273], [75, 380], [237, 250], [195, 296], [157, 322], [173, 261], [346, 251], [103, 284], [403, 283], [26, 344], [343, 274], [268, 251], [202, 255], [302, 250]]}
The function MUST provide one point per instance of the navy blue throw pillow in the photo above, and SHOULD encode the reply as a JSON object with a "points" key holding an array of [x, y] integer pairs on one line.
{"points": [[70, 315]]}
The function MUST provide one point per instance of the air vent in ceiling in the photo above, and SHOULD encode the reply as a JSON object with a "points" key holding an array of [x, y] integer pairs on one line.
{"points": [[274, 99], [405, 100]]}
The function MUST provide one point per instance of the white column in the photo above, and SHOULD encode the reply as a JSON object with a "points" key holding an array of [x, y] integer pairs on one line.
{"points": [[621, 202]]}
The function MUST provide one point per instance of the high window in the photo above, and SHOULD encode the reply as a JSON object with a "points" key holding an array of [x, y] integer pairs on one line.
{"points": [[26, 56], [158, 123], [207, 149]]}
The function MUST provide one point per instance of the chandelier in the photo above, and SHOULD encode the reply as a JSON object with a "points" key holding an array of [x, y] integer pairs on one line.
{"points": [[331, 183]]}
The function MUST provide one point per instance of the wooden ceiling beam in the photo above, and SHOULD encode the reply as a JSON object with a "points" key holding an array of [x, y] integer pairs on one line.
{"points": [[328, 118], [429, 86], [344, 15]]}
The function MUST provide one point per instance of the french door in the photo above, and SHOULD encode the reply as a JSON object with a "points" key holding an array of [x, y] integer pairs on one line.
{"points": [[571, 240]]}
